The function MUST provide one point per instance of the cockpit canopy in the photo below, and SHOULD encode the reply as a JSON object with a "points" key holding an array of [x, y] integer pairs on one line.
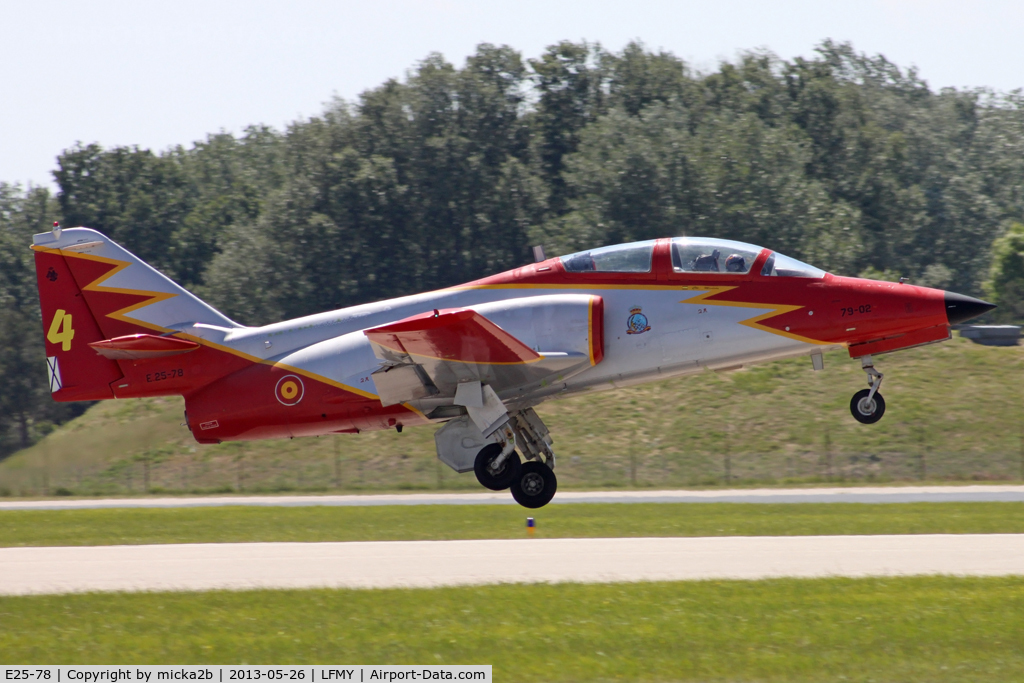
{"points": [[706, 255], [689, 255], [634, 257]]}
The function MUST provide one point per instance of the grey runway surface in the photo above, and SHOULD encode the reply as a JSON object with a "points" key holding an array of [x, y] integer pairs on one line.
{"points": [[863, 494], [440, 563]]}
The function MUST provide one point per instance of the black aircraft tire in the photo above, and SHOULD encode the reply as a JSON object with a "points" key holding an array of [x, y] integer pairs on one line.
{"points": [[856, 408], [535, 486], [503, 479]]}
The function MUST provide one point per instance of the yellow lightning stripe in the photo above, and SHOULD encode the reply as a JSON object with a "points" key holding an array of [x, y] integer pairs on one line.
{"points": [[290, 368], [755, 322], [331, 382], [278, 365], [154, 297], [97, 286]]}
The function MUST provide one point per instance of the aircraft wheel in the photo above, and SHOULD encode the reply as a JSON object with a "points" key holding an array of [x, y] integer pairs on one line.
{"points": [[503, 478], [535, 486], [867, 411]]}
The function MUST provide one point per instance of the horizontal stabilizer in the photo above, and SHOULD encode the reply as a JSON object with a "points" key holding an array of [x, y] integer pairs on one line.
{"points": [[142, 346]]}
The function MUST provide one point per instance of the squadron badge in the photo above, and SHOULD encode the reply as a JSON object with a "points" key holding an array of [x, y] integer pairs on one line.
{"points": [[637, 321]]}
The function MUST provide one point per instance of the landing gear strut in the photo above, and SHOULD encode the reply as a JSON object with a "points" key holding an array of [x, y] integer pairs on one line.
{"points": [[497, 465], [494, 472], [867, 405], [536, 483]]}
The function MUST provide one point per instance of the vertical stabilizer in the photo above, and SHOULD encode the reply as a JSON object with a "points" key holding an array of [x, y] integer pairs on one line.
{"points": [[125, 294], [91, 289], [76, 373]]}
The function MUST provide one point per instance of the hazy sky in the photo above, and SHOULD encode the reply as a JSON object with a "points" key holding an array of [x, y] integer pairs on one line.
{"points": [[158, 74]]}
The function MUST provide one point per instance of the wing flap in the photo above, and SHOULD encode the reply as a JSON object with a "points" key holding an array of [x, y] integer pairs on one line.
{"points": [[455, 335], [400, 383], [431, 355]]}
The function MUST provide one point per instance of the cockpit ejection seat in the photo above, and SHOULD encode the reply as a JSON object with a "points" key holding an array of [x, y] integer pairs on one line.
{"points": [[707, 262]]}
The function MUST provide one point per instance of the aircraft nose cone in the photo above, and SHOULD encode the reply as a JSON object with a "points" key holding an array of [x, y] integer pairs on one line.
{"points": [[960, 308]]}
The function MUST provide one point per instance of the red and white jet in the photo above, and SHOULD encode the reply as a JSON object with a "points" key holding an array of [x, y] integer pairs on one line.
{"points": [[478, 357]]}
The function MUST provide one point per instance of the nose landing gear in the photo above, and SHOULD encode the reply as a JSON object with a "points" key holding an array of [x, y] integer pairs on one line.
{"points": [[867, 405]]}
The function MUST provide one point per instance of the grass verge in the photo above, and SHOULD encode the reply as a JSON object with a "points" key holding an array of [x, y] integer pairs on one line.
{"points": [[953, 415], [904, 629], [436, 522]]}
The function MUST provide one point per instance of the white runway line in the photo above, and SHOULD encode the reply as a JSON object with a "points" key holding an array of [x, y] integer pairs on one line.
{"points": [[441, 563], [859, 494]]}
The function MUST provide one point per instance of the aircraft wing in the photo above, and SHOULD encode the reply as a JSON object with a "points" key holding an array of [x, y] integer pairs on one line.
{"points": [[459, 353]]}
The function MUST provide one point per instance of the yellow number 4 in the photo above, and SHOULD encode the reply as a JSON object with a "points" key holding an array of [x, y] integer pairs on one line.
{"points": [[61, 331]]}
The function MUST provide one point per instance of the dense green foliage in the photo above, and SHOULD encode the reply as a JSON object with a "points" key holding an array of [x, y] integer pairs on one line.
{"points": [[1005, 286], [26, 409], [843, 160]]}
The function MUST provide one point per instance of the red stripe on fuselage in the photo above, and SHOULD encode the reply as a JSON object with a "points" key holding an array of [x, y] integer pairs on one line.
{"points": [[828, 310], [894, 309], [237, 390], [246, 407]]}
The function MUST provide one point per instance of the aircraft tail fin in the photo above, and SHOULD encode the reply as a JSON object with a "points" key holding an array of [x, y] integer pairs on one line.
{"points": [[93, 290]]}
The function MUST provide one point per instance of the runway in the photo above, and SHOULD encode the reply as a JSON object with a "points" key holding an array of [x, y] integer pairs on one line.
{"points": [[860, 494], [449, 563]]}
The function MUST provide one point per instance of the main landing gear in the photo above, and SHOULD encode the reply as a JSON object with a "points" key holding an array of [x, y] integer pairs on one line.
{"points": [[535, 486], [867, 405], [498, 466], [533, 483]]}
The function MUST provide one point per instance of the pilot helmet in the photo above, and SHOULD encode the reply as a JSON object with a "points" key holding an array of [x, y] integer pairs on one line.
{"points": [[735, 264]]}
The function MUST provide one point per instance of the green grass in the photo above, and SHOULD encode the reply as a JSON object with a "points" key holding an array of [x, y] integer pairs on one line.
{"points": [[894, 629], [953, 414], [436, 522]]}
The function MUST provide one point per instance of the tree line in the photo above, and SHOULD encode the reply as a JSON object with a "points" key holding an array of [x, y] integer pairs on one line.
{"points": [[843, 160]]}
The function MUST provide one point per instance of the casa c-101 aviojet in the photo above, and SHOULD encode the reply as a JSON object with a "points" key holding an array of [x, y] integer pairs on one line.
{"points": [[477, 357]]}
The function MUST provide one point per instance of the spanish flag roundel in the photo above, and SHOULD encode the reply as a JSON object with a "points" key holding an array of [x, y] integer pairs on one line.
{"points": [[289, 390]]}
